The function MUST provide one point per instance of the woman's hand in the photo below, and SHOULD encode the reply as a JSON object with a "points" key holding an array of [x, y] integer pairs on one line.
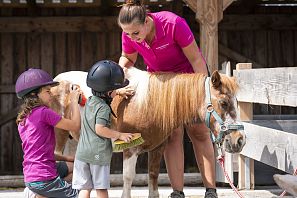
{"points": [[125, 92]]}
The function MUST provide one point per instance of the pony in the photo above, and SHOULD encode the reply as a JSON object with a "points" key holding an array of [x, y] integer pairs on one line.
{"points": [[162, 102]]}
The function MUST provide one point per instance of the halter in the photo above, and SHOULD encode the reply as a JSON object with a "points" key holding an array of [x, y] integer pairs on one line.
{"points": [[224, 129]]}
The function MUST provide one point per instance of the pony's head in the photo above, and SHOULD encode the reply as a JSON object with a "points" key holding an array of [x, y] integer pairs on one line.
{"points": [[222, 115]]}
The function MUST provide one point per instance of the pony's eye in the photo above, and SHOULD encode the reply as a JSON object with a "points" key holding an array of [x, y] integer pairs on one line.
{"points": [[223, 104]]}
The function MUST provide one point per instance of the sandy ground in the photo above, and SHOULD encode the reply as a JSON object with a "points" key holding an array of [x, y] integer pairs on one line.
{"points": [[190, 192]]}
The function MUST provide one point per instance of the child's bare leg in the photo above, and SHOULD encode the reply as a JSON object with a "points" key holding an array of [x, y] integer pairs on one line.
{"points": [[84, 193], [102, 193]]}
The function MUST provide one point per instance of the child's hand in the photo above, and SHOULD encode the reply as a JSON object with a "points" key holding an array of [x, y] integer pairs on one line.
{"points": [[125, 92], [75, 92], [126, 137]]}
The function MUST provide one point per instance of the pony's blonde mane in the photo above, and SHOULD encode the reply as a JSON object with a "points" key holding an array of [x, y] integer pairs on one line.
{"points": [[174, 99], [169, 99]]}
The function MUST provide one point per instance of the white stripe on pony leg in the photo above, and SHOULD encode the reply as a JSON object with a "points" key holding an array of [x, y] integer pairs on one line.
{"points": [[129, 166], [153, 193]]}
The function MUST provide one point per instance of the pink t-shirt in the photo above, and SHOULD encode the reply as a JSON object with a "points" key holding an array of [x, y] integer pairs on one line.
{"points": [[165, 52], [38, 143]]}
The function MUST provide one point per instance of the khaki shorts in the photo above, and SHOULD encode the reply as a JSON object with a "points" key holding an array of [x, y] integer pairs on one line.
{"points": [[89, 176]]}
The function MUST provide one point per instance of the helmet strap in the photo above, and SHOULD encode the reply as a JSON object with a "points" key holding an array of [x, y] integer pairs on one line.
{"points": [[106, 97]]}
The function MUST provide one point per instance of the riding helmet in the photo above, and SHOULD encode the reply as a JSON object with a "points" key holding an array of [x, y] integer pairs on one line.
{"points": [[31, 80], [106, 76]]}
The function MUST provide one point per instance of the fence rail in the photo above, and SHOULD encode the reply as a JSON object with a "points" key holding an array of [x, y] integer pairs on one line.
{"points": [[271, 142]]}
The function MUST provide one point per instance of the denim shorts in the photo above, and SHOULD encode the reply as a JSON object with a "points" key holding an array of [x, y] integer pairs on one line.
{"points": [[53, 188]]}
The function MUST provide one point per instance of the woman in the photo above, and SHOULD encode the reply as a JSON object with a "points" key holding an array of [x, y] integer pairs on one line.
{"points": [[166, 43]]}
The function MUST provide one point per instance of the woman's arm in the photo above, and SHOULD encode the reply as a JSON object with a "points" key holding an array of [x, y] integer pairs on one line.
{"points": [[194, 56], [128, 60]]}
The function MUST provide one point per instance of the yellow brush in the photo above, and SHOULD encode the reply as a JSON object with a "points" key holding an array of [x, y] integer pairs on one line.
{"points": [[120, 145]]}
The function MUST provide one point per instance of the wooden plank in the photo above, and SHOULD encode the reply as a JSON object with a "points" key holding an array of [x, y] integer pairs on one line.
{"points": [[287, 47], [275, 117], [261, 53], [289, 126], [33, 40], [7, 89], [246, 177], [260, 43], [60, 52], [259, 22], [52, 4], [20, 53], [274, 52], [47, 53], [100, 48], [227, 3], [193, 4], [115, 180], [271, 146], [87, 53], [73, 51], [7, 71], [234, 55], [247, 44], [9, 116], [209, 14], [58, 24], [295, 51], [275, 86]]}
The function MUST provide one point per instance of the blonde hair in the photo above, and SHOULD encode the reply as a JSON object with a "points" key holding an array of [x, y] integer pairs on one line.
{"points": [[132, 11]]}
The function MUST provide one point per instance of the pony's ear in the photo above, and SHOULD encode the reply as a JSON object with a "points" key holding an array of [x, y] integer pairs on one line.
{"points": [[216, 79]]}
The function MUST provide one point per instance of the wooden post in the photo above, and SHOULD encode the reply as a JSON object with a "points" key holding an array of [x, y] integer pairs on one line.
{"points": [[246, 177], [209, 14]]}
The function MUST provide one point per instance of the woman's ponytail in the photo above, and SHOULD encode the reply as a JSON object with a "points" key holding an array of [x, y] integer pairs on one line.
{"points": [[132, 11]]}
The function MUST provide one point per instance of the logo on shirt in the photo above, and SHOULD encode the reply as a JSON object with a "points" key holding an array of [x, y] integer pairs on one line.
{"points": [[162, 46], [97, 157]]}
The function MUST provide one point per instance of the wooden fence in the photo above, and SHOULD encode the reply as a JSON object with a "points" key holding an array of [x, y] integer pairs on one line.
{"points": [[272, 142]]}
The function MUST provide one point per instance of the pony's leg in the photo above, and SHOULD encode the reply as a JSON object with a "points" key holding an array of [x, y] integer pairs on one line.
{"points": [[61, 139], [154, 159], [129, 165]]}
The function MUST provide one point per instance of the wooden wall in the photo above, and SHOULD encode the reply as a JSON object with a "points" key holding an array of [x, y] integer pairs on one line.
{"points": [[61, 39], [55, 44], [267, 38]]}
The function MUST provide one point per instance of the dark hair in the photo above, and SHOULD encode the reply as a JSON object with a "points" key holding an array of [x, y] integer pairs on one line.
{"points": [[132, 11], [31, 101]]}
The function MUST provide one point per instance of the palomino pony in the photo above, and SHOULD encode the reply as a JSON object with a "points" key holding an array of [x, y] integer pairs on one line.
{"points": [[163, 102]]}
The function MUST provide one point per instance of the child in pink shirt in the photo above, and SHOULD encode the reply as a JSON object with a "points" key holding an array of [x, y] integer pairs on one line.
{"points": [[36, 122], [166, 43]]}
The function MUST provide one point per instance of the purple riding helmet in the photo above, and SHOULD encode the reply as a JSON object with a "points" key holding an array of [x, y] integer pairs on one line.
{"points": [[31, 80]]}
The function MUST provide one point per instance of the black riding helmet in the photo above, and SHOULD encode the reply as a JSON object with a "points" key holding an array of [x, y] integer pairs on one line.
{"points": [[106, 76]]}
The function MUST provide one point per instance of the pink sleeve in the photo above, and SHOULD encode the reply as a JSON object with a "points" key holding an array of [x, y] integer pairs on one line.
{"points": [[127, 44], [182, 33], [50, 116]]}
